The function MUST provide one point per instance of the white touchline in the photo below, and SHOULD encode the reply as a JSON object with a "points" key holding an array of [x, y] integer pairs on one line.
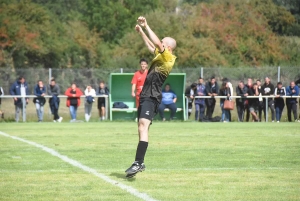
{"points": [[75, 163]]}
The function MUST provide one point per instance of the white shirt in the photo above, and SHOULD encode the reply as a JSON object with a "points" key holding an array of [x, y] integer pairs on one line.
{"points": [[23, 90], [92, 92]]}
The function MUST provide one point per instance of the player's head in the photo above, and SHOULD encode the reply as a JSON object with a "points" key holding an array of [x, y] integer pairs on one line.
{"points": [[279, 85], [213, 80], [241, 84], [40, 83], [267, 80], [292, 84], [258, 82], [169, 43], [52, 83], [143, 64], [21, 79], [194, 86]]}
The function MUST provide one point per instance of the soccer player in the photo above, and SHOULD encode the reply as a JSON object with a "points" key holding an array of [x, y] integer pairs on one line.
{"points": [[151, 94], [138, 81]]}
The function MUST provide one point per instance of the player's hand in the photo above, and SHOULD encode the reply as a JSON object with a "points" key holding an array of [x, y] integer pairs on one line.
{"points": [[133, 94], [15, 99], [142, 21], [138, 28]]}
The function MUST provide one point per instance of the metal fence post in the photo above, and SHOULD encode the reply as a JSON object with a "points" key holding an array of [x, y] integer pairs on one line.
{"points": [[24, 108], [50, 77], [201, 72], [278, 79], [106, 107], [267, 109], [186, 108], [121, 70]]}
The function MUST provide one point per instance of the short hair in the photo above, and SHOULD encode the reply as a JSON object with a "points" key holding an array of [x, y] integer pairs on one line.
{"points": [[200, 78], [212, 77], [194, 85], [279, 83], [258, 80], [52, 80], [101, 82], [241, 81], [225, 79], [143, 60], [254, 84], [168, 84], [21, 77]]}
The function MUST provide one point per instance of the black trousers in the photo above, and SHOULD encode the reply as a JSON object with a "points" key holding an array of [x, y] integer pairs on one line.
{"points": [[241, 110], [210, 107], [291, 107], [260, 109], [272, 107]]}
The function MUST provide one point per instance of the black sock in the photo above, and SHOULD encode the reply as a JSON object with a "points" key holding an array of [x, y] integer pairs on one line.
{"points": [[141, 151]]}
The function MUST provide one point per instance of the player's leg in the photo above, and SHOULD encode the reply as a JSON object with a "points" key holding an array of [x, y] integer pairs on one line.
{"points": [[294, 109], [146, 111], [197, 110], [289, 111]]}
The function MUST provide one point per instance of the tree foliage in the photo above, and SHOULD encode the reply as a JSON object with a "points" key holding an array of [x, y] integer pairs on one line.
{"points": [[100, 33]]}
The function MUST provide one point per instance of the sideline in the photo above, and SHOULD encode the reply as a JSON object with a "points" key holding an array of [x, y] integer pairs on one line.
{"points": [[85, 168]]}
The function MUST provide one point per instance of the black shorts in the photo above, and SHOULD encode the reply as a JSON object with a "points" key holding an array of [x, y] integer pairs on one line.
{"points": [[148, 108], [101, 103]]}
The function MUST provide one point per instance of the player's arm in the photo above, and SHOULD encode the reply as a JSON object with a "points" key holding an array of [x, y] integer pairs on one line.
{"points": [[133, 90], [147, 41], [155, 40]]}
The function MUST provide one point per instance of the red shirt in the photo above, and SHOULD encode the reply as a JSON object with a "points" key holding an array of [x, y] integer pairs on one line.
{"points": [[139, 79]]}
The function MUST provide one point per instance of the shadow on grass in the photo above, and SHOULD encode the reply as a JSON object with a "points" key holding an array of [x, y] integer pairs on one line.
{"points": [[121, 176]]}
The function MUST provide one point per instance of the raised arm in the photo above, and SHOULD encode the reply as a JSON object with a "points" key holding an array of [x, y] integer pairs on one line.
{"points": [[147, 41], [155, 40]]}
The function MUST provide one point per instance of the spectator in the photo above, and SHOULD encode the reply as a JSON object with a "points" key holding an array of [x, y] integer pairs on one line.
{"points": [[168, 101], [268, 90], [249, 86], [224, 91], [1, 94], [291, 103], [298, 84], [54, 91], [189, 92], [212, 90], [260, 100], [279, 101], [20, 88], [199, 102], [39, 101], [231, 91], [73, 100], [89, 93], [253, 102], [102, 90], [242, 91], [138, 81]]}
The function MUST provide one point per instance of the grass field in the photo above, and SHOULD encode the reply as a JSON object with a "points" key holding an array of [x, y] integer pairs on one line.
{"points": [[185, 161]]}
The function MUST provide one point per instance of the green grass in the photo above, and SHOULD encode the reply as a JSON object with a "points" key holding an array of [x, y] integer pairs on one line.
{"points": [[185, 161]]}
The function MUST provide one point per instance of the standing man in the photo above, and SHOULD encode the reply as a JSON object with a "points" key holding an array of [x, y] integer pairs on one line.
{"points": [[212, 89], [151, 94], [73, 101], [102, 90], [20, 88], [242, 91], [260, 99], [138, 80], [268, 90], [39, 101], [189, 91], [54, 91], [279, 101], [249, 86], [291, 103], [199, 102]]}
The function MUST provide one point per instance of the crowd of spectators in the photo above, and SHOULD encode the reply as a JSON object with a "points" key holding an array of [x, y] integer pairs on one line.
{"points": [[247, 105], [201, 96]]}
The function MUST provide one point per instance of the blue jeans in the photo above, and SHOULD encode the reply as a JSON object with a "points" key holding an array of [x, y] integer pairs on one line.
{"points": [[39, 111], [199, 108], [225, 113], [73, 111], [172, 107], [278, 109]]}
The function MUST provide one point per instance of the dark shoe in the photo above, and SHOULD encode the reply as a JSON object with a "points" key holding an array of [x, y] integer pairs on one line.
{"points": [[134, 169]]}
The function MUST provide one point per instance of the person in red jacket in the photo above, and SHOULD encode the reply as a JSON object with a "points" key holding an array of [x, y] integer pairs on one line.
{"points": [[73, 100]]}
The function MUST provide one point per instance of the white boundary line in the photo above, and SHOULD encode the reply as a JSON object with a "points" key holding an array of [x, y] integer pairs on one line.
{"points": [[85, 168]]}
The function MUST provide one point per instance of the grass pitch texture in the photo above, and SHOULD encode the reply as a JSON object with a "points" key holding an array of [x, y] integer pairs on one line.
{"points": [[184, 161]]}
